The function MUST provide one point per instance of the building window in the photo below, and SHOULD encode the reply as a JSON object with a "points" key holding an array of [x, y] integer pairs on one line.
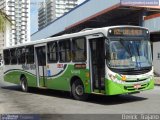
{"points": [[52, 52], [65, 51], [79, 49]]}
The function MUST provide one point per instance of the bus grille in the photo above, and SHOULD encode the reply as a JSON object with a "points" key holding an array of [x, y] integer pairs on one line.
{"points": [[131, 88], [137, 80]]}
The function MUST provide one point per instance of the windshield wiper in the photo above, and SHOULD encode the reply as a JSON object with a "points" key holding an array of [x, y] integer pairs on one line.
{"points": [[138, 53], [128, 50]]}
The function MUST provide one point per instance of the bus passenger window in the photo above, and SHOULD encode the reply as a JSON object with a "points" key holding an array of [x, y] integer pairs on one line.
{"points": [[52, 52], [13, 56], [6, 54], [30, 54], [65, 51], [79, 50], [21, 55]]}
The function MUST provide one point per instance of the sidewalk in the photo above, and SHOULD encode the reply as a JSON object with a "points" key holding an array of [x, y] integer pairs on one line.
{"points": [[157, 81]]}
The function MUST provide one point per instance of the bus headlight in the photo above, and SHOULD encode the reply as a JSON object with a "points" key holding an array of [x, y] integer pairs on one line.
{"points": [[112, 77]]}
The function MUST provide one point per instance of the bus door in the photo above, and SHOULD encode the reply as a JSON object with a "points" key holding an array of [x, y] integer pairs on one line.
{"points": [[97, 64], [41, 65]]}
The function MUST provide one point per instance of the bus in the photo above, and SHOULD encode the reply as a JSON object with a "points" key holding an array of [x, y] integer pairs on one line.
{"points": [[108, 61]]}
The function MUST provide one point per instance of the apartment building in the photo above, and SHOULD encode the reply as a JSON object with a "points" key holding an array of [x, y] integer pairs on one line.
{"points": [[42, 16], [52, 9], [19, 31]]}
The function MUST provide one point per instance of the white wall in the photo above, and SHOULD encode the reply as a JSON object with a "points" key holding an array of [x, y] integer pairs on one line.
{"points": [[156, 61], [153, 24]]}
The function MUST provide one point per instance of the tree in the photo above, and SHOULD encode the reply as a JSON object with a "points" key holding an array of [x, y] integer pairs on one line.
{"points": [[4, 20]]}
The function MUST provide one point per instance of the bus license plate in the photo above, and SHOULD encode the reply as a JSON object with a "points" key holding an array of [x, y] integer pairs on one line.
{"points": [[137, 86]]}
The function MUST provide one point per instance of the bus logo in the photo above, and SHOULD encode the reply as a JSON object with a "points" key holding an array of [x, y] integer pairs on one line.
{"points": [[59, 65]]}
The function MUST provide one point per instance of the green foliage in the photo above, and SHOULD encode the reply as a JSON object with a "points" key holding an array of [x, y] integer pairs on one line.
{"points": [[4, 20]]}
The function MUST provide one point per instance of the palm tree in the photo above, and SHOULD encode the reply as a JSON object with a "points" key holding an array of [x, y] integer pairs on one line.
{"points": [[4, 20]]}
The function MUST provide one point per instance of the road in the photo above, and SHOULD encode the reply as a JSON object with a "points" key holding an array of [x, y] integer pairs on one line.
{"points": [[41, 101]]}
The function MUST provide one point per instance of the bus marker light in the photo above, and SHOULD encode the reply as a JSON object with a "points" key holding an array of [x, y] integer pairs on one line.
{"points": [[123, 78]]}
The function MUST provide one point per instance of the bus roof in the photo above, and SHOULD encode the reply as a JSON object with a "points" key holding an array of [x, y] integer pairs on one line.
{"points": [[73, 35]]}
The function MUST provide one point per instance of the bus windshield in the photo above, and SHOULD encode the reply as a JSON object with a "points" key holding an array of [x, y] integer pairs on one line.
{"points": [[130, 53]]}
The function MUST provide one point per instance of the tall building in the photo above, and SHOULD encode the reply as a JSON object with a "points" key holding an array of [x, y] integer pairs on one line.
{"points": [[42, 16], [52, 9], [63, 6], [19, 31]]}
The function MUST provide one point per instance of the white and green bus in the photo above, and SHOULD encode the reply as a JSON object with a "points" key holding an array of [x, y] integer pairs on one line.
{"points": [[108, 61]]}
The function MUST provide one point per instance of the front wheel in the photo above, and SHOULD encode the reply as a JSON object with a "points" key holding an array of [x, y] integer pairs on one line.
{"points": [[24, 84], [78, 91]]}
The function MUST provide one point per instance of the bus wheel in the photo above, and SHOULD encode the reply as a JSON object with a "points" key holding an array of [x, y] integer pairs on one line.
{"points": [[24, 84], [77, 90]]}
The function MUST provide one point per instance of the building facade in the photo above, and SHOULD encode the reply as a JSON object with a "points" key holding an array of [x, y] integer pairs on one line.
{"points": [[52, 9], [41, 17], [19, 31]]}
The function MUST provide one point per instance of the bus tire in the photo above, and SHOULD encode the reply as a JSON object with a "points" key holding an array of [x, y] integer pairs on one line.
{"points": [[24, 84], [77, 90]]}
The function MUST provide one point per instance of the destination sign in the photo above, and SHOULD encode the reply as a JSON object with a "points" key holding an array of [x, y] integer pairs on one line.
{"points": [[127, 32]]}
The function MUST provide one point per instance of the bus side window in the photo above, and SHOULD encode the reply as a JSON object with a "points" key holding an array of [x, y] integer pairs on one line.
{"points": [[21, 55], [13, 56], [52, 52], [65, 51], [79, 49], [6, 54], [30, 54]]}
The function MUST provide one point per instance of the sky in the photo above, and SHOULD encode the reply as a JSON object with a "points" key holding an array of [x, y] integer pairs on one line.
{"points": [[34, 14]]}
